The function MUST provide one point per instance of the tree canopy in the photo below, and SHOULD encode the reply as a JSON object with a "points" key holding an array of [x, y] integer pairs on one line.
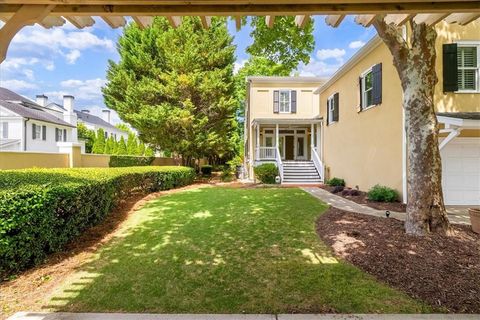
{"points": [[175, 86]]}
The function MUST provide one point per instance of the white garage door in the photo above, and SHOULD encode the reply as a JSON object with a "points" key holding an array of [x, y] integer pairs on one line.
{"points": [[461, 171]]}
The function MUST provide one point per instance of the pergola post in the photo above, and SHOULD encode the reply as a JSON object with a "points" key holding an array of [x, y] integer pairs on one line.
{"points": [[25, 16]]}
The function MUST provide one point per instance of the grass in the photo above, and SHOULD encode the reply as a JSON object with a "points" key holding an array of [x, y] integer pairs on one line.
{"points": [[225, 250]]}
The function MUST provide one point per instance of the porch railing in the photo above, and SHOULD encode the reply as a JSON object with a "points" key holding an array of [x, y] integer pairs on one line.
{"points": [[279, 163], [318, 163], [266, 153]]}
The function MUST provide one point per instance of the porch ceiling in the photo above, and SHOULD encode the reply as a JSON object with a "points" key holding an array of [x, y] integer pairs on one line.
{"points": [[51, 13], [305, 121]]}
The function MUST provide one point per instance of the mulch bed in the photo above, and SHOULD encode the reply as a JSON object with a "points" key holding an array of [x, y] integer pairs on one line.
{"points": [[443, 271], [363, 199]]}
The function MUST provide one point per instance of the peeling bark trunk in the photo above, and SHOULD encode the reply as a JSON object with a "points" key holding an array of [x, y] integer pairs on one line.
{"points": [[414, 60]]}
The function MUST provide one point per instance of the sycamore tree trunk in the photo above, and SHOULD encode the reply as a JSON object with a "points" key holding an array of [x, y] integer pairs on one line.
{"points": [[414, 59]]}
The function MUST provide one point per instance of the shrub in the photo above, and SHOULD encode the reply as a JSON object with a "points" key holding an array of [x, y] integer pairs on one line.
{"points": [[350, 192], [338, 189], [206, 170], [227, 174], [336, 182], [382, 194], [129, 161], [266, 172], [43, 209]]}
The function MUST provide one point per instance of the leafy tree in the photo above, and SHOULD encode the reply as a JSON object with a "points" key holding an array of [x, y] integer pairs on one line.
{"points": [[175, 86], [124, 127], [122, 147], [132, 144], [284, 43], [86, 135], [99, 143], [149, 152]]}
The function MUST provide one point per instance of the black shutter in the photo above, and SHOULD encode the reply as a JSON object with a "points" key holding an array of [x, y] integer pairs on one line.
{"points": [[450, 68], [328, 112], [56, 134], [44, 132], [34, 131], [377, 84], [293, 101], [335, 107], [361, 92], [276, 98], [64, 135]]}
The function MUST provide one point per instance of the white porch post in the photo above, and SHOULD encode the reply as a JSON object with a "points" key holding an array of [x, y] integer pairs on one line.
{"points": [[276, 139], [257, 147], [312, 135], [318, 138]]}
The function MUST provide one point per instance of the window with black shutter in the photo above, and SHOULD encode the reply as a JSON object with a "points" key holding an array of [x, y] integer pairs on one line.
{"points": [[34, 131], [276, 101], [333, 108], [371, 87], [293, 101], [64, 135], [57, 134], [44, 133], [450, 67]]}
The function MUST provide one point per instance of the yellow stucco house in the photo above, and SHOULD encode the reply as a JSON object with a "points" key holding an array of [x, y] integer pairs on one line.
{"points": [[358, 128]]}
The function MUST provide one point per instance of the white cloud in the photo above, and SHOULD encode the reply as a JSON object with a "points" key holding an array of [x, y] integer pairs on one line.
{"points": [[29, 74], [317, 68], [239, 65], [324, 54], [86, 90], [16, 63], [72, 56], [356, 44], [17, 85]]}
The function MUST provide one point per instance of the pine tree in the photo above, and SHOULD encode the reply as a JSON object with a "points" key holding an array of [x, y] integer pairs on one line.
{"points": [[132, 144], [99, 143], [122, 147], [109, 145], [149, 152], [140, 149]]}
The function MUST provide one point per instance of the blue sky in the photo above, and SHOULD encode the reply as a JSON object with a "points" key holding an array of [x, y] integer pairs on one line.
{"points": [[66, 60]]}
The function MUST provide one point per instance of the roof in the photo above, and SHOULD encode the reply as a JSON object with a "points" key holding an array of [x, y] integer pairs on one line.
{"points": [[33, 111], [460, 115], [8, 95], [55, 105], [90, 118], [359, 55], [296, 79]]}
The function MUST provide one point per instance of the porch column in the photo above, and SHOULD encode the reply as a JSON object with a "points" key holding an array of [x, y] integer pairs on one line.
{"points": [[318, 139], [312, 135], [257, 147], [276, 135]]}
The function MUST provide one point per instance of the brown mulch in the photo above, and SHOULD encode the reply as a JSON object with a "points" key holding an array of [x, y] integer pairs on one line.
{"points": [[442, 270], [363, 199], [30, 289]]}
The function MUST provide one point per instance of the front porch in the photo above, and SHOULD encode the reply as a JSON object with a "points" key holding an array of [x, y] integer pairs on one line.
{"points": [[286, 141]]}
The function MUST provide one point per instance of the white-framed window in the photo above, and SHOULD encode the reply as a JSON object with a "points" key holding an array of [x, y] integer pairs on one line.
{"points": [[38, 132], [468, 62], [331, 109], [4, 130], [367, 89], [60, 134], [284, 101]]}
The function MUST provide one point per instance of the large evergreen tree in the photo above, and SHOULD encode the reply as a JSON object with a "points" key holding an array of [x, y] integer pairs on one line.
{"points": [[175, 86]]}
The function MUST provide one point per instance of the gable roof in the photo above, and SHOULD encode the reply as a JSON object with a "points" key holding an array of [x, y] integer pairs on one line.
{"points": [[33, 111], [8, 95], [90, 118]]}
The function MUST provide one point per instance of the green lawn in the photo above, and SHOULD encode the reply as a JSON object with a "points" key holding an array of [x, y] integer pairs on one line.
{"points": [[222, 250]]}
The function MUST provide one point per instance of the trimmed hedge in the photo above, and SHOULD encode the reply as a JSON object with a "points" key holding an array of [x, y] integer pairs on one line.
{"points": [[129, 161], [206, 170], [382, 194], [43, 209], [266, 172], [336, 182]]}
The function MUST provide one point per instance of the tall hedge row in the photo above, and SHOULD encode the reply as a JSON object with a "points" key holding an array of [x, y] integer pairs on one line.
{"points": [[43, 209]]}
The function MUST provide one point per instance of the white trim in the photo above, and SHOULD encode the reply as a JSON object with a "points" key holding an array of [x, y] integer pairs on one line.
{"points": [[470, 43], [330, 102], [362, 89], [280, 91]]}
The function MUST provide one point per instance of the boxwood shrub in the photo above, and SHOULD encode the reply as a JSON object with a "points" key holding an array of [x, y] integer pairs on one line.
{"points": [[382, 194], [336, 182], [206, 170], [43, 209], [129, 161], [266, 172]]}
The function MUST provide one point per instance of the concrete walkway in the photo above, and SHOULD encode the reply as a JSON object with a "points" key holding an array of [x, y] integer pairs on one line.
{"points": [[454, 215], [149, 316]]}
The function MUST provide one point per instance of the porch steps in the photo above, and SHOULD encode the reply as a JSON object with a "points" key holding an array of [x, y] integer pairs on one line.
{"points": [[300, 172]]}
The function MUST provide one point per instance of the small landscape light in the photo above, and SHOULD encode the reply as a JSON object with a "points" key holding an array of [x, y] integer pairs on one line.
{"points": [[387, 213]]}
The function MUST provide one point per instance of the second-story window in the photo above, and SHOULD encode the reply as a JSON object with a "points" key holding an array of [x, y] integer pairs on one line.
{"points": [[468, 68], [285, 101]]}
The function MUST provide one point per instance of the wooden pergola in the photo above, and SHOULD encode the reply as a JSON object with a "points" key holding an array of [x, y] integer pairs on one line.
{"points": [[53, 13]]}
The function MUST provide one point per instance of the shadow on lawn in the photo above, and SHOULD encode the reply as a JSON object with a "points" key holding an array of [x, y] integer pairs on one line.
{"points": [[220, 250]]}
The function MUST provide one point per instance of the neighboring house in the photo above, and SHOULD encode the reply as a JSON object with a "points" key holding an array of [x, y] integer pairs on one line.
{"points": [[94, 123], [283, 118], [360, 112], [27, 126]]}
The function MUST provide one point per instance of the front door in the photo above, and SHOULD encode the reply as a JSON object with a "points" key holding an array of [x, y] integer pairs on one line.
{"points": [[289, 148]]}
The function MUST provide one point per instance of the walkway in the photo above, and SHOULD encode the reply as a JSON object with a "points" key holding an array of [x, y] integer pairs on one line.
{"points": [[454, 214], [150, 316]]}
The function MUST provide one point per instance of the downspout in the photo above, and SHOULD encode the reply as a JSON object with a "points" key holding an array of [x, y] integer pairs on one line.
{"points": [[25, 134]]}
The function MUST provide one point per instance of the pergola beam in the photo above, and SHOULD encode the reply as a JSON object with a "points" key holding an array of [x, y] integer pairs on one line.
{"points": [[462, 18], [334, 20], [238, 22], [81, 21], [175, 21], [51, 21], [365, 19], [143, 22], [269, 21], [429, 19], [115, 21], [206, 21], [397, 19], [259, 8], [26, 15], [301, 20]]}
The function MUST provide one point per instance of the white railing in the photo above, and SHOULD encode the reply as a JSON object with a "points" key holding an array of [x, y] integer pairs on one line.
{"points": [[266, 153], [318, 163], [279, 163]]}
